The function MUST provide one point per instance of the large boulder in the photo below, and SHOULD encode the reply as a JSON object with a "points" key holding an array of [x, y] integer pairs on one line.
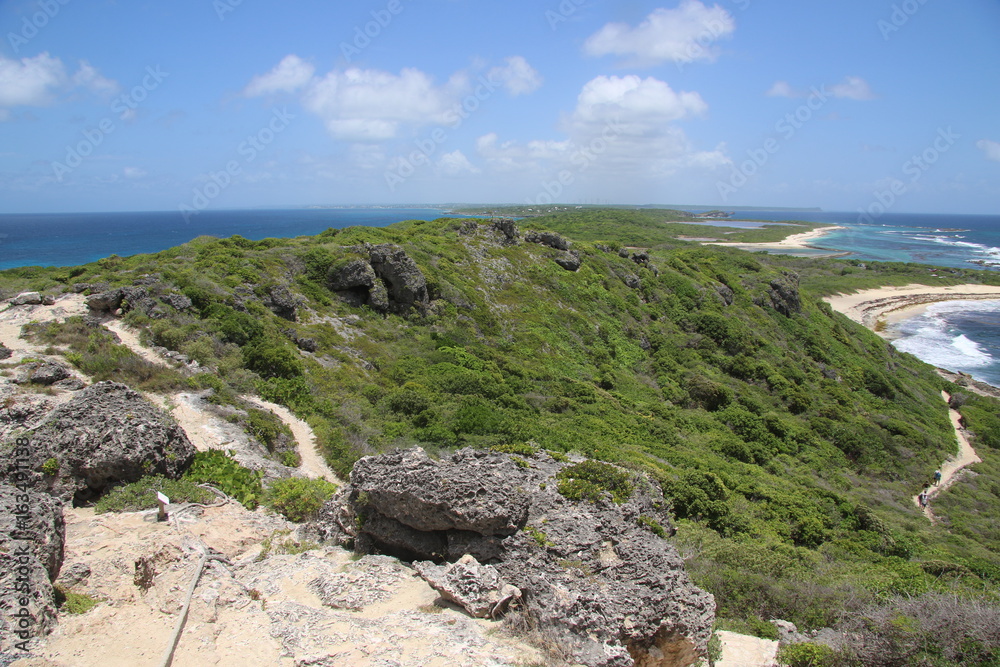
{"points": [[32, 538], [105, 435], [403, 279], [596, 575], [782, 294], [280, 301], [477, 588]]}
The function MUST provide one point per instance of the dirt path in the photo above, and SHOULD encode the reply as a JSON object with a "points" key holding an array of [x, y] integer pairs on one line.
{"points": [[746, 651], [313, 464], [130, 339], [966, 456]]}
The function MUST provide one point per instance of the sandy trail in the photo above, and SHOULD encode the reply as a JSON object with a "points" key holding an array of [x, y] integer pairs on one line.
{"points": [[313, 464], [746, 651], [15, 317], [965, 457], [130, 339]]}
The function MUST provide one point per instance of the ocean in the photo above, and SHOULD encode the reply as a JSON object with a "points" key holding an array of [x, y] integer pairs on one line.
{"points": [[957, 335]]}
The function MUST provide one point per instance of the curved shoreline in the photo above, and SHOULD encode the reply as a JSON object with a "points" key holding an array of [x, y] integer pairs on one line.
{"points": [[800, 241], [891, 305]]}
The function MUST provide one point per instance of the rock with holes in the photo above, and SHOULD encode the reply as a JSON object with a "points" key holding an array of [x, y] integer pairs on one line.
{"points": [[597, 575], [32, 537], [27, 299], [477, 588], [106, 434], [41, 372]]}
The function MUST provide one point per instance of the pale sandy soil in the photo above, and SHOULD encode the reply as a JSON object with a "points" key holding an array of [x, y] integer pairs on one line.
{"points": [[130, 339], [965, 457], [794, 242], [746, 651], [892, 304], [313, 464], [12, 319]]}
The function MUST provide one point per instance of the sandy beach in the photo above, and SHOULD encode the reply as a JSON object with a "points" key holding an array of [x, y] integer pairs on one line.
{"points": [[893, 304], [794, 242]]}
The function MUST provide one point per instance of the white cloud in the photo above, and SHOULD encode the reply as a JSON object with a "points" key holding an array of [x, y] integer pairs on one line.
{"points": [[37, 81], [371, 105], [133, 172], [853, 88], [621, 128], [291, 74], [30, 81], [455, 163], [518, 77], [990, 148], [685, 34], [781, 89], [88, 77]]}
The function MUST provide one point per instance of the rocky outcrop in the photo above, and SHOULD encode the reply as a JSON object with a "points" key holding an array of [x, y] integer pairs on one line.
{"points": [[32, 538], [550, 239], [569, 260], [594, 575], [782, 294], [5, 352], [403, 280], [106, 434], [390, 281], [41, 372], [32, 299], [280, 301], [146, 296]]}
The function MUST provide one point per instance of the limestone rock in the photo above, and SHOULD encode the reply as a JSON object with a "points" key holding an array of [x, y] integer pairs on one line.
{"points": [[105, 434], [783, 295], [41, 372], [32, 539], [282, 302], [404, 282], [472, 491], [570, 260], [27, 299], [105, 302], [476, 588], [593, 574], [550, 239], [5, 352]]}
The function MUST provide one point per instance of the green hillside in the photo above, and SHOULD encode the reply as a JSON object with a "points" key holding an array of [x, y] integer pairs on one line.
{"points": [[788, 439]]}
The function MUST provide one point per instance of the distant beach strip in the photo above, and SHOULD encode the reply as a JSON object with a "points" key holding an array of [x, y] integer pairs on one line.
{"points": [[796, 243]]}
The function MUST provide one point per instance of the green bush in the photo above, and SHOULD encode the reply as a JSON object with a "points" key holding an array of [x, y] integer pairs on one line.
{"points": [[219, 469], [266, 427], [806, 654], [73, 603], [298, 499], [141, 495], [590, 479]]}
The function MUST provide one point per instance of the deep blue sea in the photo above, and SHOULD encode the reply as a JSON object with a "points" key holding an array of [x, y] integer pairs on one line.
{"points": [[961, 336]]}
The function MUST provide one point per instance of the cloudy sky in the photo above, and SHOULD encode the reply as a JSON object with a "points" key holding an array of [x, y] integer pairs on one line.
{"points": [[220, 104]]}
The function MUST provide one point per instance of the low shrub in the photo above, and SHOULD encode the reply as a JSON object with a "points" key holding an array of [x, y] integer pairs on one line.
{"points": [[141, 495], [221, 470], [298, 499], [590, 479]]}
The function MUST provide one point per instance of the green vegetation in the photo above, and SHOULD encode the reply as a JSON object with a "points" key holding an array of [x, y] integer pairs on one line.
{"points": [[298, 499], [141, 495], [591, 479], [219, 469], [51, 466], [74, 603], [788, 440]]}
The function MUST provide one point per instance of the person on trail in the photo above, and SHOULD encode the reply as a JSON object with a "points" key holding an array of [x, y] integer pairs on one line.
{"points": [[937, 477], [923, 498]]}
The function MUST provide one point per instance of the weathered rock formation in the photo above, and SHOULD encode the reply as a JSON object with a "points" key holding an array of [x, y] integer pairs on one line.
{"points": [[389, 281], [106, 434], [280, 301], [32, 537], [146, 296], [783, 295], [41, 372], [32, 299], [591, 574]]}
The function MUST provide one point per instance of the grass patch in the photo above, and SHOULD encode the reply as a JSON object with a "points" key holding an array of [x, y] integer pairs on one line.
{"points": [[141, 495]]}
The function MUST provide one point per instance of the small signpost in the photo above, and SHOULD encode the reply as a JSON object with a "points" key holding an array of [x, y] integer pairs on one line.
{"points": [[164, 501]]}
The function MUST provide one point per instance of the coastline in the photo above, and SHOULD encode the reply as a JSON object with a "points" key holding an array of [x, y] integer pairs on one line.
{"points": [[801, 241], [878, 309], [891, 305]]}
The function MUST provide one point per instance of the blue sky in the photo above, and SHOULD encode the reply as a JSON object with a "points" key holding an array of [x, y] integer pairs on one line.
{"points": [[220, 104]]}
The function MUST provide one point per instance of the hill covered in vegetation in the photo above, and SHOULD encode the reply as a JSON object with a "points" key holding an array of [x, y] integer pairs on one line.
{"points": [[788, 440]]}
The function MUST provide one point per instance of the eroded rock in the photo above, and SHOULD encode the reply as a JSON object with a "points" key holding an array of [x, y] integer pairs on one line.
{"points": [[104, 435], [477, 588], [595, 575]]}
